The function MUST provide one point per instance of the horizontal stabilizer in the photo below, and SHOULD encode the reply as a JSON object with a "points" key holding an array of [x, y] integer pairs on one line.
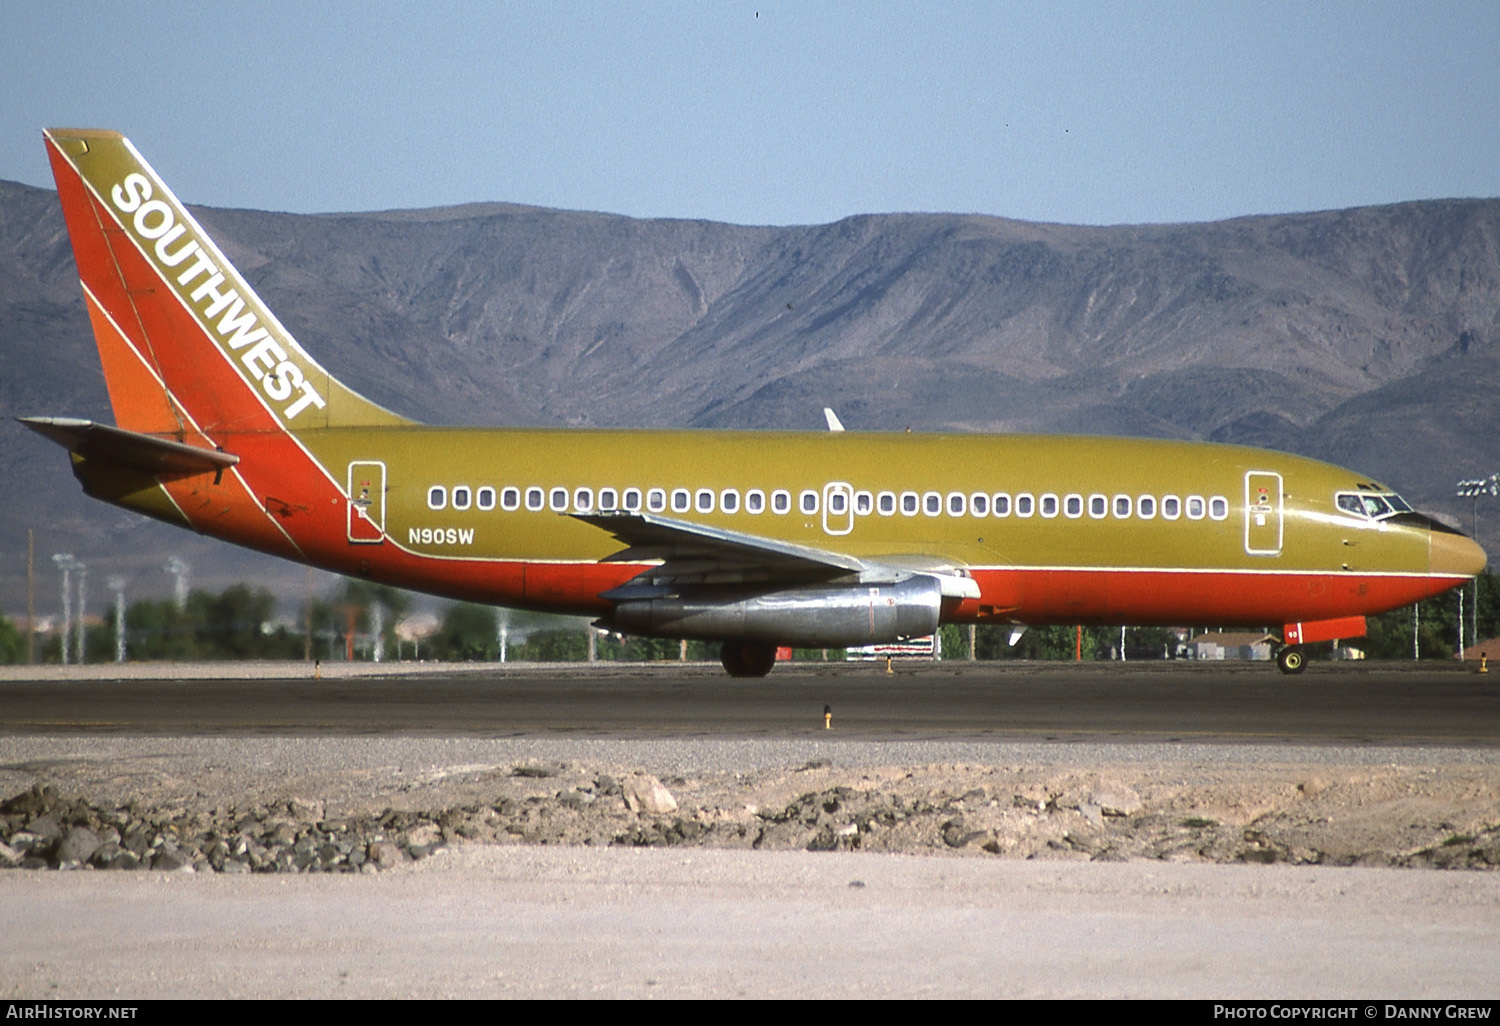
{"points": [[129, 448]]}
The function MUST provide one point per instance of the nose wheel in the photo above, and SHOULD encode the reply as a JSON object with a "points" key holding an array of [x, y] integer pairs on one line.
{"points": [[1290, 660]]}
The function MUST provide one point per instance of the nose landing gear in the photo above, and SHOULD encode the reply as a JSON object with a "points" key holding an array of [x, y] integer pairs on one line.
{"points": [[1290, 660]]}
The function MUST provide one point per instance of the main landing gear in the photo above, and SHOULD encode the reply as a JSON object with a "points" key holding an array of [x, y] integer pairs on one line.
{"points": [[1290, 660], [747, 658]]}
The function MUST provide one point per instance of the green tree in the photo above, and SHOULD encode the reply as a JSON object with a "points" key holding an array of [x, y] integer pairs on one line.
{"points": [[229, 625], [553, 646], [233, 622], [157, 629], [466, 632], [955, 640], [12, 643]]}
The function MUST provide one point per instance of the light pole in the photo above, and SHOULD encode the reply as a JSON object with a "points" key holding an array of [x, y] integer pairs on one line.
{"points": [[117, 585], [65, 562], [1472, 489], [83, 584], [179, 568], [377, 617]]}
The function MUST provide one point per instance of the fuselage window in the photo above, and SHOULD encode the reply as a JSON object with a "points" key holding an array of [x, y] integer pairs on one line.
{"points": [[462, 497], [1195, 507], [729, 500], [1145, 507], [808, 502], [1098, 506], [781, 501], [979, 504], [958, 504], [886, 503], [1218, 508], [704, 500], [656, 500], [510, 499], [1049, 505], [682, 500], [632, 499], [932, 503], [485, 498], [1002, 504], [437, 497], [1171, 507], [864, 503], [609, 499], [583, 499], [535, 499], [1073, 506], [1122, 507], [1025, 505], [558, 500], [755, 501], [909, 503], [836, 501]]}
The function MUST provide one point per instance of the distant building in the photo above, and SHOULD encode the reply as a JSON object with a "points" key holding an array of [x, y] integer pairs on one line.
{"points": [[1230, 645], [1488, 647]]}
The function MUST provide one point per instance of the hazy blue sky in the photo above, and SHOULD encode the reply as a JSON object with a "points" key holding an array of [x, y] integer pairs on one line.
{"points": [[772, 112]]}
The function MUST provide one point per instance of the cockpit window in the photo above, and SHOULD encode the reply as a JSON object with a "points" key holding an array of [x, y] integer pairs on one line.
{"points": [[1372, 505]]}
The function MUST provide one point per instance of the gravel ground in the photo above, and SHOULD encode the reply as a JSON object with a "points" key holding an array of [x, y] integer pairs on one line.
{"points": [[1320, 806], [710, 867]]}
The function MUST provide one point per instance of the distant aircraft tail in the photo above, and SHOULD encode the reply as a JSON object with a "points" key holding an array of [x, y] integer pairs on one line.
{"points": [[189, 350]]}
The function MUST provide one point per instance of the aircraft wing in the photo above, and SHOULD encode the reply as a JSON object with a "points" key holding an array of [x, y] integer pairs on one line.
{"points": [[700, 554], [696, 554]]}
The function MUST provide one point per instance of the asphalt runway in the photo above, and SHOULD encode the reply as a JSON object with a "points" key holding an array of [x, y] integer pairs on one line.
{"points": [[1343, 704]]}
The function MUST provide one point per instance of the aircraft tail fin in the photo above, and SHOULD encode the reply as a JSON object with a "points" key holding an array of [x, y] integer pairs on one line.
{"points": [[188, 348]]}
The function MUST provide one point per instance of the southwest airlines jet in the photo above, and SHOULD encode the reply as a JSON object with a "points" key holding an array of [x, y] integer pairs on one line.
{"points": [[226, 426]]}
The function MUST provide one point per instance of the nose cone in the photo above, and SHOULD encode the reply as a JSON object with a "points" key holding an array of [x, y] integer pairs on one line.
{"points": [[1454, 555]]}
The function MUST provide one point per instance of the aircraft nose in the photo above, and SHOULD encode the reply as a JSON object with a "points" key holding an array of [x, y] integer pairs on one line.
{"points": [[1454, 555]]}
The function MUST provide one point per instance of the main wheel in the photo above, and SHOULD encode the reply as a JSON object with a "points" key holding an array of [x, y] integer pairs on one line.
{"points": [[1290, 660], [747, 658]]}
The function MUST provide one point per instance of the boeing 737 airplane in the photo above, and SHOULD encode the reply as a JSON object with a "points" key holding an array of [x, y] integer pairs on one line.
{"points": [[224, 425]]}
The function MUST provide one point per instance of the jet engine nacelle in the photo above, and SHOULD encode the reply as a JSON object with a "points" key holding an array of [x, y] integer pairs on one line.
{"points": [[817, 616]]}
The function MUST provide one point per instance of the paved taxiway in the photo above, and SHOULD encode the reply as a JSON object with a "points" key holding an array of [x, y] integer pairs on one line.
{"points": [[1344, 704]]}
